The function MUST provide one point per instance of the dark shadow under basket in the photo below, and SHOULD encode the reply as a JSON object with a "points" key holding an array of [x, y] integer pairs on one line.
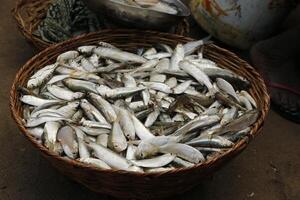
{"points": [[29, 13], [128, 184]]}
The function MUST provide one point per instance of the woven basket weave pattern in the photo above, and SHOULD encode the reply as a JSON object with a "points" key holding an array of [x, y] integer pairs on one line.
{"points": [[129, 184]]}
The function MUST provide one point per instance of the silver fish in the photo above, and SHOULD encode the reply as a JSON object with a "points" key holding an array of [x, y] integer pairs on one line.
{"points": [[102, 139], [87, 65], [33, 122], [86, 49], [147, 66], [191, 47], [69, 110], [227, 87], [146, 96], [152, 117], [36, 132], [229, 116], [200, 76], [234, 137], [240, 123], [94, 124], [111, 158], [138, 106], [63, 93], [69, 55], [183, 151], [77, 116], [165, 118], [41, 76], [83, 149], [158, 86], [245, 102], [67, 138], [131, 151], [118, 55], [181, 88], [58, 78], [163, 64], [150, 51], [214, 142], [143, 114], [171, 82], [117, 140], [122, 92], [141, 131], [91, 112], [249, 97], [104, 106], [95, 162], [80, 85], [178, 56], [94, 131], [126, 123], [197, 123], [182, 163], [166, 48], [161, 78], [158, 161], [159, 56], [36, 101]]}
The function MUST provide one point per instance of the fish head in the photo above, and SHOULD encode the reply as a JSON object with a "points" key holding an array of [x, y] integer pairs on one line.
{"points": [[31, 84], [120, 146], [78, 95], [84, 103], [74, 104], [145, 150]]}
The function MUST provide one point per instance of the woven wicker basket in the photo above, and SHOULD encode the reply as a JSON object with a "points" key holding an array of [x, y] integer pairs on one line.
{"points": [[29, 13], [128, 184]]}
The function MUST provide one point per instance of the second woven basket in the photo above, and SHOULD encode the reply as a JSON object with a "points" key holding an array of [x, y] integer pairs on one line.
{"points": [[29, 13]]}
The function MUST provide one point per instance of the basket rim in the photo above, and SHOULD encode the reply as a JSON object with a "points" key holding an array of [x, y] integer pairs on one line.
{"points": [[242, 144], [26, 32]]}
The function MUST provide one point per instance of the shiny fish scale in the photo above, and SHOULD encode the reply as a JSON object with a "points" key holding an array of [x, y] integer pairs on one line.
{"points": [[150, 112]]}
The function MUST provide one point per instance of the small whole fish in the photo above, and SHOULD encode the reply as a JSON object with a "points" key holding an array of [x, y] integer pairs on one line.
{"points": [[66, 137], [118, 55], [41, 76], [95, 162], [126, 124], [64, 94], [200, 76], [80, 85], [227, 87], [183, 151], [158, 161], [116, 139], [102, 140], [111, 158], [214, 142], [104, 106], [152, 111], [178, 55]]}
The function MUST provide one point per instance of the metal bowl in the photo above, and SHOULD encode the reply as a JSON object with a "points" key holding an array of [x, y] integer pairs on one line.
{"points": [[131, 16]]}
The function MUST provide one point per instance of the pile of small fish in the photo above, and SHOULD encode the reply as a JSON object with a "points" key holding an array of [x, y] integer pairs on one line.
{"points": [[156, 5], [66, 19], [150, 111]]}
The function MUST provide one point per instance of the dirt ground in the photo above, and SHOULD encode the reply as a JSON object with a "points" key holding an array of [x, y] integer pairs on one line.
{"points": [[269, 169]]}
